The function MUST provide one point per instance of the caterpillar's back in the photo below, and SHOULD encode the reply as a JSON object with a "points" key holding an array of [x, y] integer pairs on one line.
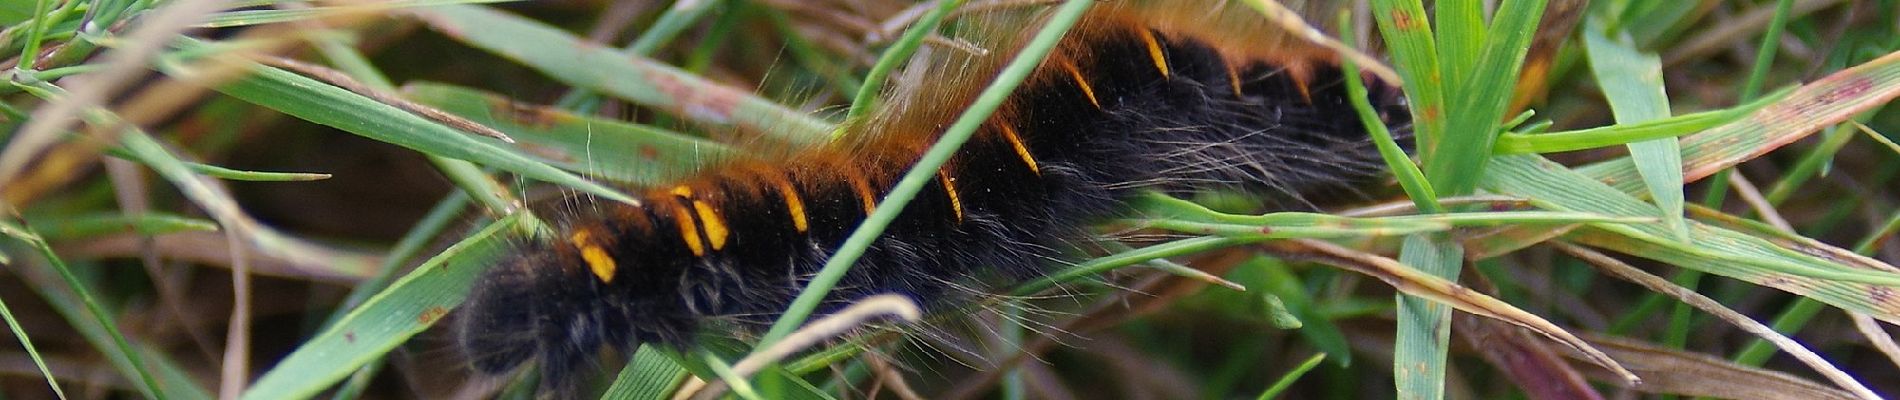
{"points": [[1128, 101]]}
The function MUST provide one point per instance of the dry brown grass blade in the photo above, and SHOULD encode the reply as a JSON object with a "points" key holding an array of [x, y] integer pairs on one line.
{"points": [[1626, 272], [1416, 283], [852, 317], [1530, 363], [1666, 370]]}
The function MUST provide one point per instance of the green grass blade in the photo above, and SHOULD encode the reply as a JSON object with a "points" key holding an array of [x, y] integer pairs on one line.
{"points": [[1287, 380], [609, 149], [899, 53], [1424, 326], [1632, 81], [1810, 108], [75, 227], [649, 376], [82, 309], [637, 79], [254, 176], [236, 18], [1765, 52], [1455, 162], [987, 102], [1621, 134], [26, 343], [407, 307], [1409, 177], [1714, 250], [328, 105], [1403, 25]]}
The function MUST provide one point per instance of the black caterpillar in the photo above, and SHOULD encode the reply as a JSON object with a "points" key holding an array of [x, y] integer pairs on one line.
{"points": [[1128, 102]]}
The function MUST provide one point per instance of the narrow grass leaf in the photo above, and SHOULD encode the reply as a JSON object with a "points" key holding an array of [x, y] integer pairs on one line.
{"points": [[1822, 103], [1407, 173], [1440, 292], [960, 131], [899, 53], [32, 352], [75, 227], [1454, 163], [1287, 380], [318, 102], [1713, 250], [254, 176], [609, 149], [1632, 81], [585, 65], [386, 320], [649, 376], [1621, 134], [1406, 29], [1419, 348], [250, 17], [157, 375]]}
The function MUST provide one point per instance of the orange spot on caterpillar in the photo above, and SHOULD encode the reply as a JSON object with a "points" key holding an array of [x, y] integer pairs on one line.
{"points": [[596, 258], [1079, 82], [689, 231], [1155, 52], [1021, 150], [715, 227], [950, 188], [1299, 81], [863, 188], [793, 204]]}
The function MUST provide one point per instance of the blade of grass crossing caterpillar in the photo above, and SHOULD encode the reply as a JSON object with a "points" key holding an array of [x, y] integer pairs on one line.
{"points": [[924, 172], [1632, 81], [388, 319]]}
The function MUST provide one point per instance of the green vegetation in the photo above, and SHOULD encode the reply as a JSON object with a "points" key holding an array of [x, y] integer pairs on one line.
{"points": [[284, 200]]}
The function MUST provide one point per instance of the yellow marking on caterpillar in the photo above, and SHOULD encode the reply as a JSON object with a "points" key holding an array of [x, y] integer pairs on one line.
{"points": [[689, 231], [1086, 89], [1021, 150], [792, 203], [715, 227], [1154, 51], [864, 190], [1233, 78], [596, 257], [950, 188]]}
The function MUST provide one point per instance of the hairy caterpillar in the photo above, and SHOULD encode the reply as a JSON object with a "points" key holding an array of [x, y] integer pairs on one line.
{"points": [[1129, 101]]}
